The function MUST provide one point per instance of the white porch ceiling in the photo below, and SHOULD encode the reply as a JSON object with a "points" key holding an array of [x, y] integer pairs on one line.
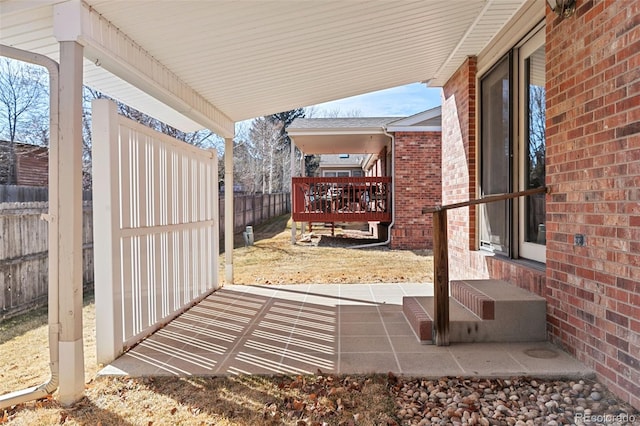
{"points": [[252, 58]]}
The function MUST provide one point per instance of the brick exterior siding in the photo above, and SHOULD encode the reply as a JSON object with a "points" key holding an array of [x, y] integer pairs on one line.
{"points": [[32, 164], [593, 171], [417, 184], [458, 156]]}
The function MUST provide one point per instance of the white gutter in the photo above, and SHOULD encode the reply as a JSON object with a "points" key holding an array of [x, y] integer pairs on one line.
{"points": [[50, 386], [393, 196]]}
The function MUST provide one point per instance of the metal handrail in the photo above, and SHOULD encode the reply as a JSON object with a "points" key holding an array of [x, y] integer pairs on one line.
{"points": [[488, 199], [441, 257]]}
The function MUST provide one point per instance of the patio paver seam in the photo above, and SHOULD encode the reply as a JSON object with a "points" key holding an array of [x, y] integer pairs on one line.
{"points": [[384, 326], [241, 338]]}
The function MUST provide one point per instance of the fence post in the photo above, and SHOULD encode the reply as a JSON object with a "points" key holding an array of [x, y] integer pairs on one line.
{"points": [[107, 252], [441, 277]]}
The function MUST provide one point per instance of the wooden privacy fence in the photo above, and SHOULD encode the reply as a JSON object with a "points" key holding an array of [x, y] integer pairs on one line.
{"points": [[253, 209], [24, 254], [22, 194], [24, 245], [155, 213], [29, 194]]}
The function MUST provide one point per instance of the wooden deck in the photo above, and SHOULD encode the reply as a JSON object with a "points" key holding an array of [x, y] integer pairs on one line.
{"points": [[341, 199]]}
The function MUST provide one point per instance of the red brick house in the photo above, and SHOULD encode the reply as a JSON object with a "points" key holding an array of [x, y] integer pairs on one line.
{"points": [[406, 150], [32, 164], [583, 253], [500, 64]]}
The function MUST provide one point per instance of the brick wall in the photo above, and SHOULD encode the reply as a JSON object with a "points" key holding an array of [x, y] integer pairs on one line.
{"points": [[417, 184], [593, 169], [459, 163], [32, 164]]}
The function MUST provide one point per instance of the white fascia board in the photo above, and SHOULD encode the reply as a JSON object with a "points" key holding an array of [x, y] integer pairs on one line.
{"points": [[336, 131], [417, 118], [392, 129], [107, 46]]}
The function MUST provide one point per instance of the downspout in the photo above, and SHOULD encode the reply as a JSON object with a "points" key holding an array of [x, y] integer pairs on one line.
{"points": [[50, 386], [393, 195]]}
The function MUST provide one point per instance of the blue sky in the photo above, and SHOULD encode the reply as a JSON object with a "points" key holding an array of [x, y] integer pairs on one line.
{"points": [[395, 102]]}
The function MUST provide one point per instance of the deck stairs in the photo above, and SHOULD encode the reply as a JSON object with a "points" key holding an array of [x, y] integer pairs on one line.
{"points": [[482, 311]]}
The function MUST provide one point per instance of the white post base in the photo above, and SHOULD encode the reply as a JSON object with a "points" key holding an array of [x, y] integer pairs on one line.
{"points": [[71, 372], [228, 269]]}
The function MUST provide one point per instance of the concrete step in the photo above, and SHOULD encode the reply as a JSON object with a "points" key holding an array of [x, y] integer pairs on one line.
{"points": [[473, 299], [488, 311]]}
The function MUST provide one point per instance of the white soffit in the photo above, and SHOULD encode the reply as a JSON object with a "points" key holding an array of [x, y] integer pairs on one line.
{"points": [[252, 58], [342, 143]]}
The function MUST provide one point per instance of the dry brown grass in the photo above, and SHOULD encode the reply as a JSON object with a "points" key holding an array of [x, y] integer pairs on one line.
{"points": [[274, 260], [246, 400]]}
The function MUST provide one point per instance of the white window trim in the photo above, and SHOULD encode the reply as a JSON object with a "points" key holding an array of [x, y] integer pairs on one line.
{"points": [[517, 29], [532, 251], [336, 171]]}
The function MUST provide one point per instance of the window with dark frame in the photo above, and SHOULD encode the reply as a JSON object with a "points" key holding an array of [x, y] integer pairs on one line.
{"points": [[512, 149], [496, 155]]}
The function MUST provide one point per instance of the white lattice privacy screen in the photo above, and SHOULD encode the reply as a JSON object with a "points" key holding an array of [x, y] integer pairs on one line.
{"points": [[155, 213]]}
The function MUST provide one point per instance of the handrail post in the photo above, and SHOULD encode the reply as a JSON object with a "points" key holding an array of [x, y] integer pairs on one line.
{"points": [[441, 277], [441, 256]]}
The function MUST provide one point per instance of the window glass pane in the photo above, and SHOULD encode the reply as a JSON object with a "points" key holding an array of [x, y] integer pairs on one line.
{"points": [[495, 165], [534, 176]]}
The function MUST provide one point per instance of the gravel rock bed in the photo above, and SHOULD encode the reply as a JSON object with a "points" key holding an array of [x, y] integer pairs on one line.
{"points": [[517, 401]]}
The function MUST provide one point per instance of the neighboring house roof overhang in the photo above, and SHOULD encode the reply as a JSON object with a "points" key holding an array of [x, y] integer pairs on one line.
{"points": [[358, 135], [209, 64], [339, 135], [425, 121]]}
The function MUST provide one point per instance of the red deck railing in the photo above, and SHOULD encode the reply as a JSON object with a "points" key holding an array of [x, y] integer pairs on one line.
{"points": [[341, 199]]}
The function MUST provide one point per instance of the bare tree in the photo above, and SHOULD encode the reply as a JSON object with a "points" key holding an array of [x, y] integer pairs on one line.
{"points": [[245, 160], [23, 97], [338, 113], [267, 141], [537, 145], [201, 138], [23, 92]]}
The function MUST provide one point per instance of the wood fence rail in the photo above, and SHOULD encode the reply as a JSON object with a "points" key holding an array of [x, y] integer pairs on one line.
{"points": [[441, 256]]}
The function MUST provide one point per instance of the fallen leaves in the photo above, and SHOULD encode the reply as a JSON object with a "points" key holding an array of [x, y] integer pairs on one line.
{"points": [[329, 399]]}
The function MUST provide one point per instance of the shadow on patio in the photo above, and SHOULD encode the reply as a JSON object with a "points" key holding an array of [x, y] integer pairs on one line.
{"points": [[345, 329]]}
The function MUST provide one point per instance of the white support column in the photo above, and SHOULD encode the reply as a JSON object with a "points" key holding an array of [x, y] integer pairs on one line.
{"points": [[293, 173], [228, 210], [69, 214], [303, 172]]}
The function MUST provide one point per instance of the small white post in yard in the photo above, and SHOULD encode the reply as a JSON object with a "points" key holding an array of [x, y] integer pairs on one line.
{"points": [[228, 210]]}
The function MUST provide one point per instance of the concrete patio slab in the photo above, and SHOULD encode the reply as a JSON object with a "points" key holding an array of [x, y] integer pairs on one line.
{"points": [[341, 328]]}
